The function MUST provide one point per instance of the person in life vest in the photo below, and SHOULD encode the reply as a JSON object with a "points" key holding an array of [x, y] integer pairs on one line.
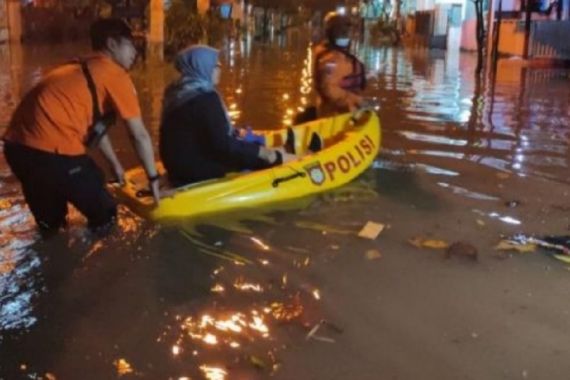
{"points": [[339, 76]]}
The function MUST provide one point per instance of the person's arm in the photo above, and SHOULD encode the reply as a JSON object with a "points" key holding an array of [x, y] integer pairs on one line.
{"points": [[143, 146], [244, 153], [107, 149], [121, 93]]}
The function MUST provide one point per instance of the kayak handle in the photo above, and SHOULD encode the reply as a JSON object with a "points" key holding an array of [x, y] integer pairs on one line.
{"points": [[279, 180]]}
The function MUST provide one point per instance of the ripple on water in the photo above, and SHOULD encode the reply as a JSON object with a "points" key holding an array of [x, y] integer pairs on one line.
{"points": [[19, 266]]}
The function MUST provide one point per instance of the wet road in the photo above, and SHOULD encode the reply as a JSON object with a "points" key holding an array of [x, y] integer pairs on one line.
{"points": [[235, 296]]}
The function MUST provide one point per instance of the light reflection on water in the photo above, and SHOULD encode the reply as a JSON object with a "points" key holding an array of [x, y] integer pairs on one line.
{"points": [[431, 121]]}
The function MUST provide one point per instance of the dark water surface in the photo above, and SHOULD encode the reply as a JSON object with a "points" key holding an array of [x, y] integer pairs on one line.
{"points": [[225, 297]]}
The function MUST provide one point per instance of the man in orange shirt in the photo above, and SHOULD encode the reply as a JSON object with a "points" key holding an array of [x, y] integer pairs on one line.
{"points": [[45, 144], [339, 76]]}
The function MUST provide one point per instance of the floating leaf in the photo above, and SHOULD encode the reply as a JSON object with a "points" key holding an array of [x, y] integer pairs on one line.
{"points": [[563, 258], [480, 222], [435, 244], [509, 245], [428, 243]]}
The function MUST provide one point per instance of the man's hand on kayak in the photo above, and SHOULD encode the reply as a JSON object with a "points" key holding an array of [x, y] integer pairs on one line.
{"points": [[154, 188], [154, 185]]}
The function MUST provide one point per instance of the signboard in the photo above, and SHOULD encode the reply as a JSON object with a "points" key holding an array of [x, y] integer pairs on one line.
{"points": [[225, 11]]}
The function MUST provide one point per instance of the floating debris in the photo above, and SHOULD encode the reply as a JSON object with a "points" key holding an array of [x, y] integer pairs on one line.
{"points": [[323, 339], [123, 367], [462, 249], [257, 362], [373, 254], [323, 228], [314, 330], [510, 245], [522, 243], [312, 334], [317, 294], [513, 204], [420, 242], [371, 230]]}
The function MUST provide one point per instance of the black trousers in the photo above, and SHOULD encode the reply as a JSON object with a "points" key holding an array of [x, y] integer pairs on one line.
{"points": [[49, 181]]}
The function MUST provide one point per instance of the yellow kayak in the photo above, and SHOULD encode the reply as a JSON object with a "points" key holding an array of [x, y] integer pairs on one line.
{"points": [[350, 146]]}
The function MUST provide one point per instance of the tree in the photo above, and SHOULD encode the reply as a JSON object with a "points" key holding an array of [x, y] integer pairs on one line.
{"points": [[480, 34]]}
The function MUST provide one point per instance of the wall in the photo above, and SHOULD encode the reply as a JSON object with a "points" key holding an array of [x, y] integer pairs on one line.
{"points": [[549, 39], [468, 35], [511, 38]]}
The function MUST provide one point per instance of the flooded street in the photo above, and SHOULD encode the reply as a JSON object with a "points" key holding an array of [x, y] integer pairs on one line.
{"points": [[291, 291]]}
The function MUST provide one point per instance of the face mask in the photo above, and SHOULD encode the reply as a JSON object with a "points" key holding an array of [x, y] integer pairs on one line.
{"points": [[342, 42]]}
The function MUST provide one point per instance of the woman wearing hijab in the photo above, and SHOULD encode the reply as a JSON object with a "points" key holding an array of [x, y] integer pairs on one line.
{"points": [[196, 138]]}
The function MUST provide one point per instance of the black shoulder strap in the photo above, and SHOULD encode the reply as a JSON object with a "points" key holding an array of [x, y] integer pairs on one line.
{"points": [[96, 111], [357, 67]]}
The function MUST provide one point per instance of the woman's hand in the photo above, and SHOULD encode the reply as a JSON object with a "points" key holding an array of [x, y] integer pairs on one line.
{"points": [[275, 156]]}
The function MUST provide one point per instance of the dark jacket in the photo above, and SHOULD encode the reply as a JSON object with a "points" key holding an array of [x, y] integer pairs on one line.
{"points": [[195, 144]]}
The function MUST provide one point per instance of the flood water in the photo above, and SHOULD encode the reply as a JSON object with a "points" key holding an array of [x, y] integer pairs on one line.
{"points": [[235, 296]]}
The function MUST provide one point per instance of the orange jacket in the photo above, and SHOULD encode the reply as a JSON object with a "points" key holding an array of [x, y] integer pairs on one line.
{"points": [[339, 79], [56, 114]]}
